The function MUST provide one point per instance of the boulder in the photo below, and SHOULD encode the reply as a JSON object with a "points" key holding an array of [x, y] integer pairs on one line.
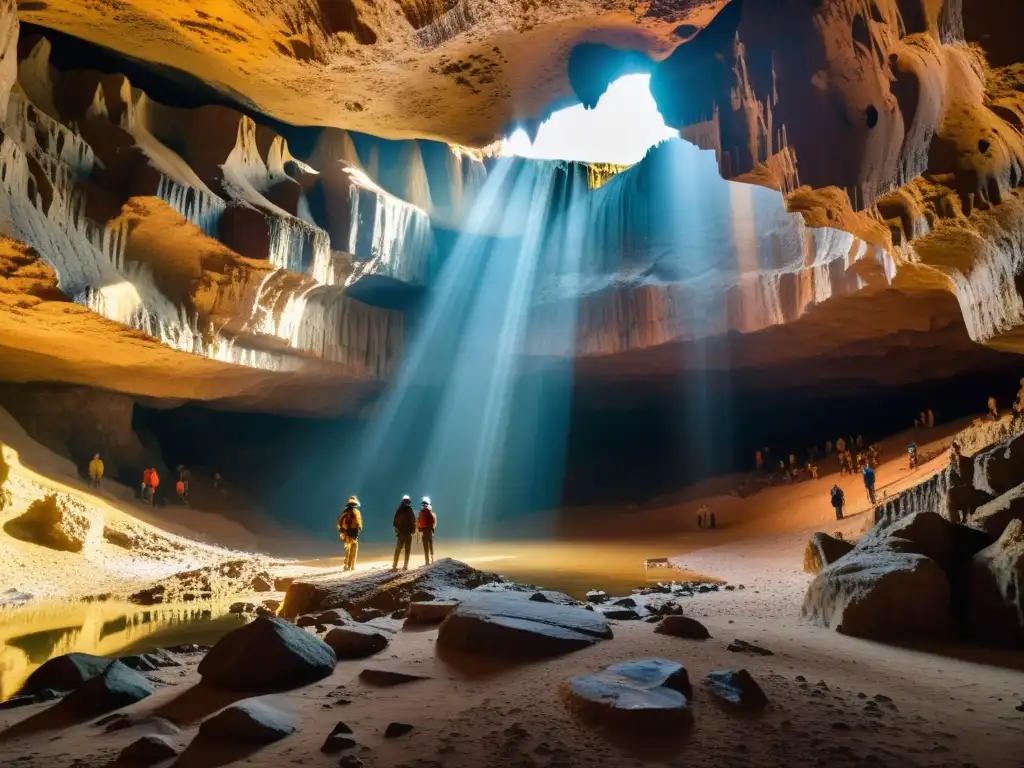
{"points": [[881, 594], [922, 533], [995, 606], [430, 612], [649, 695], [993, 517], [334, 617], [356, 641], [682, 626], [596, 596], [249, 721], [117, 687], [550, 596], [56, 521], [512, 625], [147, 751], [382, 590], [736, 688], [664, 608], [625, 602], [823, 550], [65, 673], [265, 654]]}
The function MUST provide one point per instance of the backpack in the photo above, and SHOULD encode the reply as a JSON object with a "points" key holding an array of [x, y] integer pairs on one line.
{"points": [[427, 520]]}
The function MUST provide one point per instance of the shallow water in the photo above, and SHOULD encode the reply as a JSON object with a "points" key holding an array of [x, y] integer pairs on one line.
{"points": [[32, 634]]}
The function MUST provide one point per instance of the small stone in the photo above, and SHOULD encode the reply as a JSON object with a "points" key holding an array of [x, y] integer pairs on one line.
{"points": [[356, 641], [801, 679], [839, 725], [369, 614], [430, 611], [881, 698], [596, 596], [684, 627], [389, 677], [148, 750], [394, 730], [620, 614], [338, 740], [638, 695], [742, 646], [737, 688], [539, 597], [400, 614], [625, 602]]}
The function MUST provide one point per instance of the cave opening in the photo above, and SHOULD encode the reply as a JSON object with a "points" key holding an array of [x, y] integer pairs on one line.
{"points": [[619, 130]]}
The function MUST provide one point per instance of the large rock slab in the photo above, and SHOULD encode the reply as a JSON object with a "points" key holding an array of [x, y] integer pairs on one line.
{"points": [[250, 721], [923, 533], [995, 606], [823, 550], [266, 654], [993, 517], [385, 591], [513, 625], [65, 673], [356, 641], [117, 687], [648, 695], [881, 594]]}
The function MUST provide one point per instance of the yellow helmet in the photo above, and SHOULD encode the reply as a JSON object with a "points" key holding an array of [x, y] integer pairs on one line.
{"points": [[353, 501]]}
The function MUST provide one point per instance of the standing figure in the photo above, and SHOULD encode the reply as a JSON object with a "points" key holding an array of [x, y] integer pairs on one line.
{"points": [[993, 410], [427, 524], [912, 455], [184, 477], [838, 499], [405, 527], [931, 419], [712, 523], [828, 447], [95, 470], [154, 483], [350, 523], [144, 492], [869, 482], [758, 461]]}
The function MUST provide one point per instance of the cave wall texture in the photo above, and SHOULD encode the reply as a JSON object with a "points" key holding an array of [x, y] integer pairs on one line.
{"points": [[855, 214]]}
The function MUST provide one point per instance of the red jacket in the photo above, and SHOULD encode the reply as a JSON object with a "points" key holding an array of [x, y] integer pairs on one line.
{"points": [[427, 520]]}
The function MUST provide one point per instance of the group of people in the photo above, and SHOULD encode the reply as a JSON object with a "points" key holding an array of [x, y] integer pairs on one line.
{"points": [[706, 517], [151, 482], [852, 456], [926, 419], [407, 524]]}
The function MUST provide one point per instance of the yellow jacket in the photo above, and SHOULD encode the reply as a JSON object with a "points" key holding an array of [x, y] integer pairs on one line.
{"points": [[96, 469], [350, 518]]}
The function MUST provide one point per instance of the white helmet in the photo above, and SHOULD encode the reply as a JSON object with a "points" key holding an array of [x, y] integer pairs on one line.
{"points": [[426, 500], [406, 498]]}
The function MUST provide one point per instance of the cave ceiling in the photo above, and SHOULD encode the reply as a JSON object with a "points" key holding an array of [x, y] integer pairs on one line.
{"points": [[848, 182]]}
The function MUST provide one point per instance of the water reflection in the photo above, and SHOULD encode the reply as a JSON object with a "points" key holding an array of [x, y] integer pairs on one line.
{"points": [[30, 635]]}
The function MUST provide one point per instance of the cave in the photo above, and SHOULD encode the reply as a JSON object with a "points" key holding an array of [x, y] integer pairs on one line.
{"points": [[687, 335]]}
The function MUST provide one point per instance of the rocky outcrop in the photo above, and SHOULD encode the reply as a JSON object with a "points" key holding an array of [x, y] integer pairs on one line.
{"points": [[57, 521], [266, 654], [117, 687], [822, 550], [385, 591], [508, 624], [995, 606]]}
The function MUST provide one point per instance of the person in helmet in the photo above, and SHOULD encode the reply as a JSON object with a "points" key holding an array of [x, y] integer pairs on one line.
{"points": [[838, 500], [426, 523], [405, 528], [350, 524]]}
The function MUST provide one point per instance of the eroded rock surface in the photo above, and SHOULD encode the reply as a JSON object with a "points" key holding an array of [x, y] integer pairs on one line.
{"points": [[823, 550], [995, 607], [649, 695], [510, 624]]}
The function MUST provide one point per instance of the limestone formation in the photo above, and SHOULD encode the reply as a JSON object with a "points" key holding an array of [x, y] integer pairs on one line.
{"points": [[823, 550], [513, 625], [650, 695], [265, 654], [881, 594], [57, 521], [995, 607]]}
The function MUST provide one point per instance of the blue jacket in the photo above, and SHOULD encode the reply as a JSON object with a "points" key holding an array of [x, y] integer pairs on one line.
{"points": [[869, 477]]}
